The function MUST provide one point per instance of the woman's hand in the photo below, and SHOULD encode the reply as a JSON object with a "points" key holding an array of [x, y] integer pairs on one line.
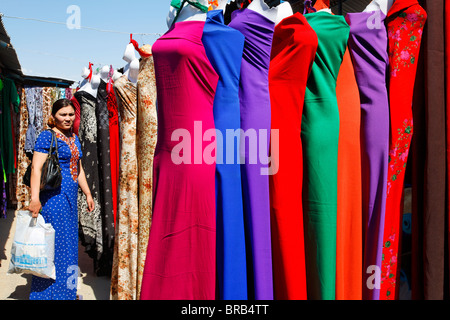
{"points": [[90, 202], [35, 208]]}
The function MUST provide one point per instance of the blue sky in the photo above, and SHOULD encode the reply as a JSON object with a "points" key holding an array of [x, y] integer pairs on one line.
{"points": [[54, 50]]}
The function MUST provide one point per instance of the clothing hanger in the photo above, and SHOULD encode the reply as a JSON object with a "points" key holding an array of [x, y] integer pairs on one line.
{"points": [[141, 52], [308, 7]]}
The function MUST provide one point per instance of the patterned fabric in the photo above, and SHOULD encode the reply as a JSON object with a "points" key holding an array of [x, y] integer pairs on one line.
{"points": [[146, 144], [405, 22], [74, 151], [3, 202], [59, 208], [47, 106], [90, 222], [124, 273], [114, 145], [22, 191], [104, 170], [35, 100]]}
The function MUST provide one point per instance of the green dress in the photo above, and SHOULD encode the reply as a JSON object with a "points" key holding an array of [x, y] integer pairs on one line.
{"points": [[320, 137], [9, 100]]}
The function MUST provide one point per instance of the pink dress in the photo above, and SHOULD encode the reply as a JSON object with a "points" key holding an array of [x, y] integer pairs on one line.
{"points": [[181, 253]]}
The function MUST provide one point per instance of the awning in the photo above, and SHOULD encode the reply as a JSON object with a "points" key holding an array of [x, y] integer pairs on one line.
{"points": [[9, 62]]}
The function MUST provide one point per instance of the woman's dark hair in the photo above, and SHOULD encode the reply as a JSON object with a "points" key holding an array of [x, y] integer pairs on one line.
{"points": [[61, 103]]}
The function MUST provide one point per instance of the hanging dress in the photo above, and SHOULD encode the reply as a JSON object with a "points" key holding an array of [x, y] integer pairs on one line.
{"points": [[146, 135], [124, 273], [349, 189], [181, 252], [320, 138], [368, 46], [293, 52], [254, 147], [405, 22], [114, 145], [224, 47], [9, 102], [22, 191], [60, 209], [101, 112], [91, 236]]}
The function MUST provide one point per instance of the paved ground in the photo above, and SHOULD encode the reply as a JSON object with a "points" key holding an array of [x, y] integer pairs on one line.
{"points": [[17, 287]]}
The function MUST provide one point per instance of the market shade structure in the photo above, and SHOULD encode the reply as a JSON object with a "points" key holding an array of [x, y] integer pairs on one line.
{"points": [[10, 65], [9, 62]]}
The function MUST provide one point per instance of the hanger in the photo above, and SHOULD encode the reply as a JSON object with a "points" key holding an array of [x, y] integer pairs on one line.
{"points": [[308, 7]]}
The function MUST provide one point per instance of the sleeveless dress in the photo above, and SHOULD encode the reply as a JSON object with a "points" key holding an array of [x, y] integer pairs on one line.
{"points": [[147, 126], [60, 209], [320, 138], [293, 51], [181, 252], [224, 47], [254, 149], [369, 52], [91, 233], [104, 167], [124, 272], [405, 22], [349, 190]]}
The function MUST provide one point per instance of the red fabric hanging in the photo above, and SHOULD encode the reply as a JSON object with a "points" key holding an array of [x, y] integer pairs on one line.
{"points": [[405, 22]]}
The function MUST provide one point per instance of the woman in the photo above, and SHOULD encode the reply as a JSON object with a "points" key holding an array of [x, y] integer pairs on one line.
{"points": [[59, 207]]}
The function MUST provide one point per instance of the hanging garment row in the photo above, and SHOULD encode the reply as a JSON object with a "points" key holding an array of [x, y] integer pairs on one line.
{"points": [[319, 227], [314, 215]]}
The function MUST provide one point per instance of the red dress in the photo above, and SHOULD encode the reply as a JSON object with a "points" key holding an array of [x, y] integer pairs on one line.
{"points": [[293, 52], [405, 22], [114, 144]]}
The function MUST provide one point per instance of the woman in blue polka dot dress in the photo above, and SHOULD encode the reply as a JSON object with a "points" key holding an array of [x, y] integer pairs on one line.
{"points": [[59, 207]]}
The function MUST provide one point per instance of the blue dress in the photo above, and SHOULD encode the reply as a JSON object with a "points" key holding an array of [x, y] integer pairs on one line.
{"points": [[224, 48], [59, 208]]}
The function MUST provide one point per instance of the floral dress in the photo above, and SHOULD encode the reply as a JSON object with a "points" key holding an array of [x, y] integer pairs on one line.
{"points": [[405, 23], [59, 208]]}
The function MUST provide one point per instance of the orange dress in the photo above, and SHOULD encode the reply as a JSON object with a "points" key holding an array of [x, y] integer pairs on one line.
{"points": [[349, 189]]}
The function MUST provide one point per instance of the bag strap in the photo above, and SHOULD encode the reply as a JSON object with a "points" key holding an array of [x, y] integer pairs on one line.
{"points": [[50, 150]]}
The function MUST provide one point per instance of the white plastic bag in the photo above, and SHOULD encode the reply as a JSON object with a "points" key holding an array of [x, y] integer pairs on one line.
{"points": [[33, 249]]}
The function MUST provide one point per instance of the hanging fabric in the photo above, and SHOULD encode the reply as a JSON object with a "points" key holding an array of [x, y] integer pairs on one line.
{"points": [[105, 183], [180, 261], [91, 234], [231, 254], [255, 117], [114, 141], [124, 274], [293, 52], [369, 51], [405, 23], [146, 132], [320, 138]]}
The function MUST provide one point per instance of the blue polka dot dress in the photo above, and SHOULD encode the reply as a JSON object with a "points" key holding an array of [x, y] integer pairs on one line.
{"points": [[59, 207]]}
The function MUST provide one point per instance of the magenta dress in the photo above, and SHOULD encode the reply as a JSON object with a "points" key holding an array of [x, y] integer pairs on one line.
{"points": [[181, 253]]}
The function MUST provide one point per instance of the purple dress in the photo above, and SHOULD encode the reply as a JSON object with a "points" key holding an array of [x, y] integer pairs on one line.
{"points": [[368, 47], [255, 122]]}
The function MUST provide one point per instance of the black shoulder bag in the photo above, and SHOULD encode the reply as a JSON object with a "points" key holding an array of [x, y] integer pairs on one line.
{"points": [[51, 172]]}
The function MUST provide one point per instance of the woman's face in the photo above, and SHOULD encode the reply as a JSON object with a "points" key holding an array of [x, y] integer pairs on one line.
{"points": [[65, 118]]}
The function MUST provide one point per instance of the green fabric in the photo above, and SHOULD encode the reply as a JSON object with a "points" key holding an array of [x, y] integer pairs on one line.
{"points": [[320, 137], [9, 96]]}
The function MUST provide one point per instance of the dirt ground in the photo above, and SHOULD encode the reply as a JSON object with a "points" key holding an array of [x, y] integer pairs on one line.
{"points": [[17, 286]]}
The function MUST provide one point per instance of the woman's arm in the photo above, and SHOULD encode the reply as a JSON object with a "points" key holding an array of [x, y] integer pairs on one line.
{"points": [[35, 182], [82, 182]]}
